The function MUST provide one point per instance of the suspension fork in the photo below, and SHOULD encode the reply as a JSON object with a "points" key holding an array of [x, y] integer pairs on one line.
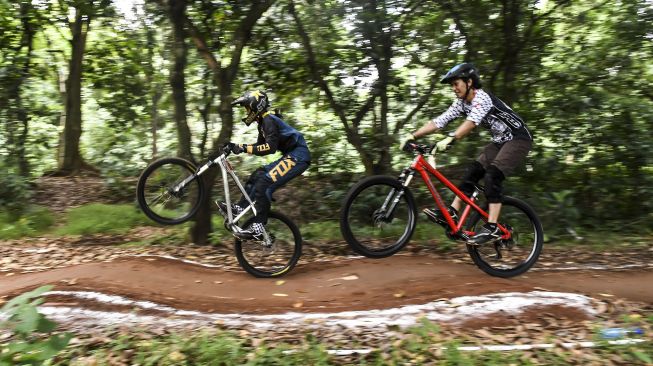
{"points": [[394, 196]]}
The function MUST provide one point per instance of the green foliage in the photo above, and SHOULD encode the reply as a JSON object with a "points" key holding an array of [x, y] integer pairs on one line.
{"points": [[321, 230], [14, 192], [28, 345], [222, 348], [578, 72], [102, 218], [34, 220]]}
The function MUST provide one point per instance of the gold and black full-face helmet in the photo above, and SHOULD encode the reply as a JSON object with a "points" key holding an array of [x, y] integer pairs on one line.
{"points": [[255, 102]]}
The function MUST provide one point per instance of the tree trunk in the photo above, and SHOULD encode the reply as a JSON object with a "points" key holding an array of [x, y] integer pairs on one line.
{"points": [[155, 91], [176, 12], [511, 15], [17, 134], [224, 77], [72, 161]]}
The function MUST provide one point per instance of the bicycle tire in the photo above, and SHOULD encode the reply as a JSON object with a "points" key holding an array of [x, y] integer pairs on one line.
{"points": [[158, 170], [510, 204], [350, 230], [274, 226]]}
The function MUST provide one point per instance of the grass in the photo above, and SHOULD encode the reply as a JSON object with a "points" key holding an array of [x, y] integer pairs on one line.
{"points": [[101, 218], [118, 219], [36, 220]]}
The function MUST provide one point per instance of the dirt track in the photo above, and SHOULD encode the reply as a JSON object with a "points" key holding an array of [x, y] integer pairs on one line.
{"points": [[348, 284]]}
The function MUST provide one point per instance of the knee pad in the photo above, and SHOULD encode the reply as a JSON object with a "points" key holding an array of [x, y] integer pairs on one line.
{"points": [[494, 184], [474, 173]]}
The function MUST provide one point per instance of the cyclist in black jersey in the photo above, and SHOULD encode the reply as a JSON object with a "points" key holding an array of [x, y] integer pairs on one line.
{"points": [[273, 135], [511, 142]]}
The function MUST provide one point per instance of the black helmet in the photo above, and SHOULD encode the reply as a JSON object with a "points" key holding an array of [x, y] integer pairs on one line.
{"points": [[256, 102], [463, 71]]}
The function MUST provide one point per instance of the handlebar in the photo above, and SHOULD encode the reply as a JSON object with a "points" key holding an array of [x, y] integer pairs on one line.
{"points": [[418, 148]]}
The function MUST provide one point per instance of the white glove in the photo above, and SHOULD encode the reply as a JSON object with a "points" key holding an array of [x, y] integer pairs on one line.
{"points": [[406, 138], [443, 144]]}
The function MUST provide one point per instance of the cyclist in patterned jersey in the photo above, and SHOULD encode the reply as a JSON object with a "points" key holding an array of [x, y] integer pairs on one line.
{"points": [[511, 142], [273, 135]]}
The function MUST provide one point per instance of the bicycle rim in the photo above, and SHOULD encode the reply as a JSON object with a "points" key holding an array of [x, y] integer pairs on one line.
{"points": [[156, 194], [507, 258], [373, 224], [277, 260]]}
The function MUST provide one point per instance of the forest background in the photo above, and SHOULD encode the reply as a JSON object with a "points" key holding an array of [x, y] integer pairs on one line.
{"points": [[104, 87]]}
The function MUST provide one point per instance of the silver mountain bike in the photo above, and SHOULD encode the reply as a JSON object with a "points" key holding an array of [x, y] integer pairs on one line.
{"points": [[170, 191]]}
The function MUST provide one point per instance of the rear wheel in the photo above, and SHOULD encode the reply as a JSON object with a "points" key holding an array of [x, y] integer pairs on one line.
{"points": [[378, 216], [160, 195], [277, 259], [514, 256]]}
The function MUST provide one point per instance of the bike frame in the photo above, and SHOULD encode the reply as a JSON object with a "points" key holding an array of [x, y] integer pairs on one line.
{"points": [[421, 166], [226, 171]]}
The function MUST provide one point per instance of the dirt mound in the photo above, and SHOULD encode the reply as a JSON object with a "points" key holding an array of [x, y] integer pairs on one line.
{"points": [[346, 285]]}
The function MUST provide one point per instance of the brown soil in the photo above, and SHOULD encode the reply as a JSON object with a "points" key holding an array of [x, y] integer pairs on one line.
{"points": [[354, 284]]}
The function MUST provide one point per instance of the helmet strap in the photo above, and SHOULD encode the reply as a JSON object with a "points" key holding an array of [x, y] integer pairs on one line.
{"points": [[468, 89]]}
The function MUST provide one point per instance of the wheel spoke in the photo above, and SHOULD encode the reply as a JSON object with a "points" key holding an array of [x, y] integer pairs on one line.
{"points": [[270, 261], [375, 223], [518, 253], [154, 189]]}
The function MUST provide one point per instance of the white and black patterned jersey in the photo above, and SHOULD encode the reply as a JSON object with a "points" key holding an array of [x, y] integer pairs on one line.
{"points": [[490, 112]]}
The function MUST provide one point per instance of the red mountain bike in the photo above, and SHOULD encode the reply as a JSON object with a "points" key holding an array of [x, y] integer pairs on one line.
{"points": [[379, 214]]}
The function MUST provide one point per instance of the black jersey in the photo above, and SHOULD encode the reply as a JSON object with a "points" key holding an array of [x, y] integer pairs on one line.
{"points": [[490, 112], [276, 135]]}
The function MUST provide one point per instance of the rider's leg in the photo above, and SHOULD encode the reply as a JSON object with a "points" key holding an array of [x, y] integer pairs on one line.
{"points": [[276, 175], [250, 186], [511, 156], [493, 212], [475, 171]]}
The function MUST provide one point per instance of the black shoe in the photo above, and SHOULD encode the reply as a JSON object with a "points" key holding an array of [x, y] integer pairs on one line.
{"points": [[489, 232], [235, 209], [436, 215], [255, 231]]}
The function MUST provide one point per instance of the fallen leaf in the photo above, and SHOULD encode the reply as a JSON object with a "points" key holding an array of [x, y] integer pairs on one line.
{"points": [[280, 282], [399, 294], [298, 304], [606, 295], [198, 281], [217, 282], [256, 342], [280, 295]]}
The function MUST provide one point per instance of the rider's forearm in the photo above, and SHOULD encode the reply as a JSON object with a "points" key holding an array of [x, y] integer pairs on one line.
{"points": [[428, 128], [464, 129]]}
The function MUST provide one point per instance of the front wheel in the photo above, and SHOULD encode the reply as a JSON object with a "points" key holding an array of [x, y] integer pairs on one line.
{"points": [[277, 258], [161, 194], [514, 256], [378, 216]]}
